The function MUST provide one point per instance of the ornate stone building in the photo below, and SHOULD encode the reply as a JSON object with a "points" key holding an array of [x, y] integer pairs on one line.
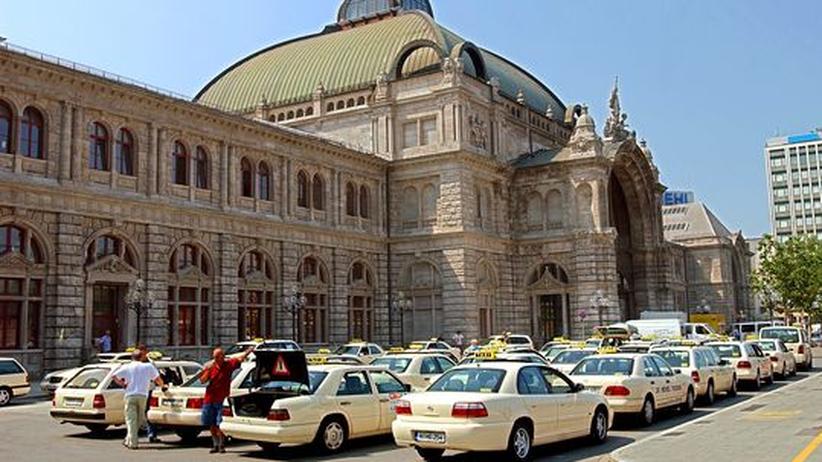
{"points": [[383, 159]]}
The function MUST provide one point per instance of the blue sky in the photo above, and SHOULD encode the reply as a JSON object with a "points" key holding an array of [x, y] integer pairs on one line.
{"points": [[704, 81]]}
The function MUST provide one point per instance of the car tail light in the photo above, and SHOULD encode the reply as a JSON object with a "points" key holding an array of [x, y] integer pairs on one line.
{"points": [[469, 410], [99, 402], [402, 407], [54, 403], [227, 411], [617, 390], [695, 376], [800, 349], [774, 359], [194, 403], [278, 415], [154, 401], [743, 364]]}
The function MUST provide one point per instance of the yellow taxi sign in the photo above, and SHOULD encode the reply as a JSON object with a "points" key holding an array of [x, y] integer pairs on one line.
{"points": [[752, 337], [395, 350], [415, 346], [155, 355], [560, 340], [259, 339], [356, 340], [316, 359], [323, 351], [486, 354], [608, 350]]}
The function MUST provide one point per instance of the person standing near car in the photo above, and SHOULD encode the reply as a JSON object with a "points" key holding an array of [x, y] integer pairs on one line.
{"points": [[217, 373], [136, 377]]}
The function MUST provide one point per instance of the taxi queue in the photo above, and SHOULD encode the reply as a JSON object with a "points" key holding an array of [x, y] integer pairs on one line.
{"points": [[433, 397]]}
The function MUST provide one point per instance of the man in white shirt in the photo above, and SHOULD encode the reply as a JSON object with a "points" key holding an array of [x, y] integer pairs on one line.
{"points": [[136, 377]]}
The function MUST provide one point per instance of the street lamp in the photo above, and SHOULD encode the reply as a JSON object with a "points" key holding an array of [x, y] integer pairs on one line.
{"points": [[400, 304], [139, 299], [599, 301], [293, 302]]}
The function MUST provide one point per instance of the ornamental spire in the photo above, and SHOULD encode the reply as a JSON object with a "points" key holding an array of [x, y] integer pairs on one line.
{"points": [[616, 124]]}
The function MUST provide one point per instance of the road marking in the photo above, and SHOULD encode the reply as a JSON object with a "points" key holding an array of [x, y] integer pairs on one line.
{"points": [[614, 454], [809, 449]]}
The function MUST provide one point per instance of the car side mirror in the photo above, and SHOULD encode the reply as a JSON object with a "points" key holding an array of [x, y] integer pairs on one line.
{"points": [[578, 387], [407, 387], [677, 371]]}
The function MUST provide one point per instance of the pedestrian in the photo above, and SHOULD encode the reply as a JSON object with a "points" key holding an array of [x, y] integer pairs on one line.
{"points": [[217, 373], [136, 377], [104, 342], [458, 338]]}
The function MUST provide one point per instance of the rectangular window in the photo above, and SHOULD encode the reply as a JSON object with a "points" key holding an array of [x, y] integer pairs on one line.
{"points": [[409, 135], [428, 131], [9, 324], [186, 321]]}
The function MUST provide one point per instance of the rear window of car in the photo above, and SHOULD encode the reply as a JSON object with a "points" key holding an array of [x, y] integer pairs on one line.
{"points": [[88, 379], [767, 345], [517, 341], [675, 358], [727, 351], [604, 366], [10, 367], [315, 379], [786, 335], [552, 352], [396, 365], [470, 380]]}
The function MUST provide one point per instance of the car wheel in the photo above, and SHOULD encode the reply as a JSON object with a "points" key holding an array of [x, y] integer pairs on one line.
{"points": [[5, 396], [770, 377], [188, 435], [430, 454], [332, 435], [757, 383], [268, 447], [710, 396], [96, 429], [519, 443], [599, 426], [648, 412], [733, 390], [688, 406]]}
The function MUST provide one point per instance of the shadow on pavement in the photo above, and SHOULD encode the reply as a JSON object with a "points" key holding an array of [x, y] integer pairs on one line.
{"points": [[361, 447]]}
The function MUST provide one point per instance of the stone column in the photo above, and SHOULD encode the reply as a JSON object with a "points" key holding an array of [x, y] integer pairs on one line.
{"points": [[65, 141], [232, 176], [224, 178], [155, 323], [289, 254], [78, 144], [151, 157], [162, 161], [65, 335], [224, 309], [338, 292]]}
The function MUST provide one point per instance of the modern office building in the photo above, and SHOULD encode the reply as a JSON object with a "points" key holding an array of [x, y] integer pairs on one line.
{"points": [[794, 166]]}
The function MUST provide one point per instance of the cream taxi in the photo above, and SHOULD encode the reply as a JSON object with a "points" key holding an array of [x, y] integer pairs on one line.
{"points": [[366, 351], [784, 362], [751, 363], [566, 360], [636, 383], [499, 406], [796, 339], [436, 345], [14, 380], [327, 405], [92, 399], [520, 355], [709, 373], [179, 409], [418, 369]]}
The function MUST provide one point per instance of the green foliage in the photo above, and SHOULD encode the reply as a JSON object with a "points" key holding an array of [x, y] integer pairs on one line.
{"points": [[789, 277]]}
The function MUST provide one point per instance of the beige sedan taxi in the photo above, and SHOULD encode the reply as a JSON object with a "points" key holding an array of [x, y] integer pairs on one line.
{"points": [[796, 339], [709, 373], [784, 362], [752, 364], [499, 405], [418, 369], [636, 383]]}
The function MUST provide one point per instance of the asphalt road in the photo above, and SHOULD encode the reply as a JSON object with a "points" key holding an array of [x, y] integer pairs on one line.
{"points": [[27, 433]]}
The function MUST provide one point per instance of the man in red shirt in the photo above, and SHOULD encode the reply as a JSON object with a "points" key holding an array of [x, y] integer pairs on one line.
{"points": [[217, 373]]}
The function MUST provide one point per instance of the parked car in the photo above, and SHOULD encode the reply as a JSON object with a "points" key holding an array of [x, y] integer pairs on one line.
{"points": [[14, 380]]}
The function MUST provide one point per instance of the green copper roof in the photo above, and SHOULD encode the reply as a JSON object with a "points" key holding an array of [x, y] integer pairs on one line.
{"points": [[350, 59]]}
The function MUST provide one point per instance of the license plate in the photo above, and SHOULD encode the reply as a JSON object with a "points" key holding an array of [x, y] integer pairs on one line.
{"points": [[173, 402], [73, 402], [429, 437]]}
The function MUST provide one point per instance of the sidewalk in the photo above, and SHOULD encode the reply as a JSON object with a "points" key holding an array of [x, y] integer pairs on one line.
{"points": [[774, 426]]}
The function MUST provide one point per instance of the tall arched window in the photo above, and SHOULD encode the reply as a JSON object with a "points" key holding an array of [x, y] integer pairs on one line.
{"points": [[179, 164], [534, 213], [410, 207], [350, 200], [360, 302], [302, 189], [313, 278], [318, 192], [255, 297], [555, 209], [422, 282], [124, 152], [6, 125], [486, 294], [429, 205], [31, 134], [108, 244], [365, 202], [201, 168], [189, 296], [21, 288], [263, 182], [246, 178], [98, 147]]}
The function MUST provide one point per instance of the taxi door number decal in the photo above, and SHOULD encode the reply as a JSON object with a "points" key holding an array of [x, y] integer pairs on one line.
{"points": [[280, 369]]}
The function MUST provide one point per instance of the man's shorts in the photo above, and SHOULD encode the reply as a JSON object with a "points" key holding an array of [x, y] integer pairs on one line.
{"points": [[212, 414]]}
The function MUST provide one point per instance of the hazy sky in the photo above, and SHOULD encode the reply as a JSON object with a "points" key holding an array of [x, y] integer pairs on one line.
{"points": [[704, 81]]}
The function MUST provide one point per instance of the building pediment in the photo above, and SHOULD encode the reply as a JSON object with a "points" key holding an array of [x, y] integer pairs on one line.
{"points": [[15, 260], [111, 268]]}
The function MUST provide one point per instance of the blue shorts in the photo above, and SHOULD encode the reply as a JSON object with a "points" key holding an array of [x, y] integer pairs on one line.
{"points": [[211, 415]]}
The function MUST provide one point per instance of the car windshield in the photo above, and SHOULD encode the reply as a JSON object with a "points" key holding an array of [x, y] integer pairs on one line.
{"points": [[676, 358], [767, 345], [727, 351], [786, 335], [604, 366], [553, 352], [470, 380], [236, 348], [289, 346], [194, 381], [396, 365], [315, 379], [593, 343], [88, 379], [353, 350], [570, 356]]}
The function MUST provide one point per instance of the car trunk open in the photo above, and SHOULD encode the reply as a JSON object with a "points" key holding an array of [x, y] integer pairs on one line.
{"points": [[279, 374]]}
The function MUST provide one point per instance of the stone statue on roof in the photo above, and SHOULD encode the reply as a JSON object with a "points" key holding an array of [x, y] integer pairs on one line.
{"points": [[617, 123]]}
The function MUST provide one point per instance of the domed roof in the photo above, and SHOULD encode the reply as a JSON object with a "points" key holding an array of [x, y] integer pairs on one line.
{"points": [[345, 59], [354, 10]]}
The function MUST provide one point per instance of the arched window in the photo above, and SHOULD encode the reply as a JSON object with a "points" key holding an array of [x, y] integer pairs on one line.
{"points": [[179, 164], [365, 202], [422, 283], [302, 189], [106, 245], [340, 105], [246, 178], [6, 125], [313, 278], [360, 100], [360, 302], [329, 107], [350, 103], [534, 214], [290, 115], [549, 301], [21, 289], [280, 117], [263, 182], [124, 152], [300, 113], [189, 296], [201, 168], [318, 192], [255, 297], [350, 200], [309, 111], [429, 205], [98, 147], [486, 294], [555, 209], [31, 134], [410, 207]]}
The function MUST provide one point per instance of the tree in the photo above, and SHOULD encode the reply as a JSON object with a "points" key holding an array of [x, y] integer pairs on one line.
{"points": [[789, 277]]}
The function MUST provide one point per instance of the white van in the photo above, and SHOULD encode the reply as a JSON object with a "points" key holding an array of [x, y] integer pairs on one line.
{"points": [[753, 327], [697, 331], [658, 328]]}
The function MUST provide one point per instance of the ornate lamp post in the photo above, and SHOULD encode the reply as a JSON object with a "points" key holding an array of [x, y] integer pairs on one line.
{"points": [[293, 302], [400, 304], [140, 300], [599, 301]]}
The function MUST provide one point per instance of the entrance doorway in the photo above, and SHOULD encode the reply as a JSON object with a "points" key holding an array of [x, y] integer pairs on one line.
{"points": [[551, 320], [108, 313]]}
